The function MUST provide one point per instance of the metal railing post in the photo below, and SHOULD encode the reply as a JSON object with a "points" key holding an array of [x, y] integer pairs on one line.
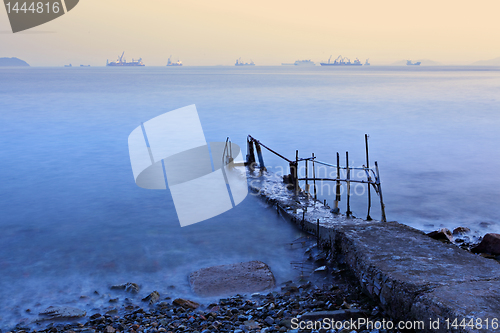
{"points": [[297, 189], [261, 159], [336, 209], [382, 206], [348, 212], [368, 217]]}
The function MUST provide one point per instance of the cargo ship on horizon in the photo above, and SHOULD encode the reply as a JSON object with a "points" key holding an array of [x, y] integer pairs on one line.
{"points": [[341, 61], [409, 63], [170, 63], [241, 63], [122, 62], [300, 63]]}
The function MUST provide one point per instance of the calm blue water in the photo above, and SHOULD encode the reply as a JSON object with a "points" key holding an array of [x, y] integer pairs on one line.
{"points": [[73, 220]]}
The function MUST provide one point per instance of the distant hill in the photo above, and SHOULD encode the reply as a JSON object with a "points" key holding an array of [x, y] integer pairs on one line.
{"points": [[491, 62], [424, 62], [13, 62]]}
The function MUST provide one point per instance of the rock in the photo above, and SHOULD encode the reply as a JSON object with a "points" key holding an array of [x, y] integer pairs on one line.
{"points": [[286, 323], [110, 329], [291, 288], [152, 298], [321, 269], [95, 316], [129, 287], [111, 312], [243, 277], [489, 244], [251, 325], [62, 312], [443, 234], [337, 315], [186, 303], [460, 231]]}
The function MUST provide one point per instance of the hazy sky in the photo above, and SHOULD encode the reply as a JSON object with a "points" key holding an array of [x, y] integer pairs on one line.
{"points": [[269, 32]]}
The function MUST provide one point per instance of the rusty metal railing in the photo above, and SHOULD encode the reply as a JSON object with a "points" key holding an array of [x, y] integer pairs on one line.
{"points": [[372, 175]]}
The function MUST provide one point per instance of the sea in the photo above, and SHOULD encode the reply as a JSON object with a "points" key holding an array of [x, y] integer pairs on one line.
{"points": [[73, 222]]}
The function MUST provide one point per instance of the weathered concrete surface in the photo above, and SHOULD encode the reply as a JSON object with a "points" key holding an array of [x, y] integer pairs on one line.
{"points": [[479, 301], [413, 276], [395, 263], [251, 276]]}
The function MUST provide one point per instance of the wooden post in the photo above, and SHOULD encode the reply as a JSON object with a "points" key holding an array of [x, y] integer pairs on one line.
{"points": [[382, 206], [368, 217], [348, 212], [314, 179], [336, 209]]}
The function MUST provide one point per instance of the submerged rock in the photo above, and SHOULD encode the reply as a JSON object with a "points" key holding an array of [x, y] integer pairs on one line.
{"points": [[243, 277], [152, 298], [129, 287], [62, 312], [489, 244], [321, 269], [460, 231], [443, 234], [185, 303]]}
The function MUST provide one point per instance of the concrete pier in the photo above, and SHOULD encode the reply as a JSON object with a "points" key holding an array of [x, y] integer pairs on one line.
{"points": [[413, 277]]}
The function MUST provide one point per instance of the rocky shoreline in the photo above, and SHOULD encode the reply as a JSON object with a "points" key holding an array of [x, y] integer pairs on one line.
{"points": [[330, 290], [327, 287], [271, 312]]}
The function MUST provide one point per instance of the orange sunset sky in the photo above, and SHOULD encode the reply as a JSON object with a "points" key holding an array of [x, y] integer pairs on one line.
{"points": [[268, 32]]}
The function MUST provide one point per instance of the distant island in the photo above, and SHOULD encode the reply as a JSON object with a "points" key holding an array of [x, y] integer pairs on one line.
{"points": [[13, 62], [491, 62]]}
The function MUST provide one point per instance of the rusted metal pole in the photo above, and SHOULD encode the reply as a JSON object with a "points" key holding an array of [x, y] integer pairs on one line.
{"points": [[368, 217], [335, 179], [250, 154], [382, 206], [272, 151], [317, 233], [297, 189], [336, 209], [261, 159], [307, 175], [293, 173], [314, 179], [348, 212]]}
